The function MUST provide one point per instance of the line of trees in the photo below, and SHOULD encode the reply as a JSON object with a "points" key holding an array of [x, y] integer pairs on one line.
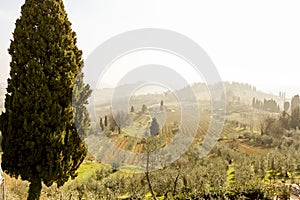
{"points": [[120, 120], [113, 122], [276, 127], [291, 120], [267, 105], [295, 102]]}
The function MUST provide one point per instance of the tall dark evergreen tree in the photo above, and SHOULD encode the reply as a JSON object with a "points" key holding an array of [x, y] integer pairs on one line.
{"points": [[112, 123], [295, 102], [286, 106], [132, 109], [161, 105], [154, 127], [101, 124], [41, 138], [295, 118], [105, 121], [121, 119]]}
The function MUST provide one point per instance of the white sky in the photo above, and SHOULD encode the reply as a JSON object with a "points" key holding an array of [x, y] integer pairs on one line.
{"points": [[256, 41], [124, 65]]}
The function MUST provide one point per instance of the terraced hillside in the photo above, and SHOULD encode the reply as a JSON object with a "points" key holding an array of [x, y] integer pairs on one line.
{"points": [[188, 131]]}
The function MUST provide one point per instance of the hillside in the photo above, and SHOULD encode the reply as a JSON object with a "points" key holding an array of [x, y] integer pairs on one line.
{"points": [[243, 162], [235, 93]]}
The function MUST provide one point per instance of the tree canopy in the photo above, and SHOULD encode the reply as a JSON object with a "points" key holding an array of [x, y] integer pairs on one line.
{"points": [[41, 136]]}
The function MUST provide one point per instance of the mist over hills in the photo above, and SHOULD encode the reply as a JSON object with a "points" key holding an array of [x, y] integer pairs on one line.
{"points": [[234, 91]]}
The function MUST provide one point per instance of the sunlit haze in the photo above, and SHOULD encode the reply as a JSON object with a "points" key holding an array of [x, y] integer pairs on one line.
{"points": [[255, 42]]}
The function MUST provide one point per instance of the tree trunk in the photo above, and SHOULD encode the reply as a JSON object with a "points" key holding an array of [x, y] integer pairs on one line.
{"points": [[175, 181], [35, 189], [148, 178]]}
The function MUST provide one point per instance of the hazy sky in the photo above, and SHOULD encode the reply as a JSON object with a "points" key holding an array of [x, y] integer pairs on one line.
{"points": [[256, 41]]}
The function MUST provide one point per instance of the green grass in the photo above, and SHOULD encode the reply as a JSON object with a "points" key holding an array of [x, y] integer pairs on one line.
{"points": [[141, 121], [131, 169], [87, 169], [133, 131]]}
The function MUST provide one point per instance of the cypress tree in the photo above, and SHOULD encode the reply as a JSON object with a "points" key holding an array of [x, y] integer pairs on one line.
{"points": [[253, 102], [144, 108], [154, 127], [161, 105], [101, 124], [286, 106], [41, 141], [295, 118], [105, 121]]}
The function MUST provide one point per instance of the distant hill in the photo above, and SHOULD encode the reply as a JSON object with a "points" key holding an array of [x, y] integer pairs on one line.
{"points": [[233, 90], [247, 92], [241, 92]]}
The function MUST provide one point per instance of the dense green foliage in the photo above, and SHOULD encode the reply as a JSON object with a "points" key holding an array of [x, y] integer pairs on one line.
{"points": [[132, 109], [245, 166], [227, 173], [45, 119], [40, 140], [257, 176]]}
